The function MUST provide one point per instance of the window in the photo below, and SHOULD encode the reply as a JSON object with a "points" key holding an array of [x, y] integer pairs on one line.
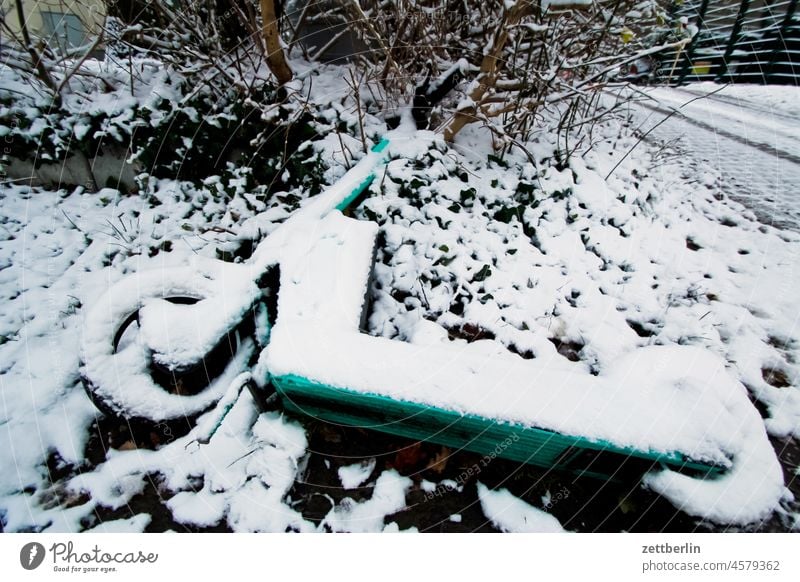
{"points": [[63, 30]]}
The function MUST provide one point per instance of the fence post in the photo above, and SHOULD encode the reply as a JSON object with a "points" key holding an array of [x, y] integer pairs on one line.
{"points": [[780, 41], [689, 55], [737, 27]]}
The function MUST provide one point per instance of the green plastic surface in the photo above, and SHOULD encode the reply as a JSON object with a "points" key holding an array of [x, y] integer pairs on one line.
{"points": [[485, 436], [379, 147]]}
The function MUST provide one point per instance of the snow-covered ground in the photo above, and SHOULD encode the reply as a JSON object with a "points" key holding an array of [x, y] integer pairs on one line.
{"points": [[750, 134], [559, 266]]}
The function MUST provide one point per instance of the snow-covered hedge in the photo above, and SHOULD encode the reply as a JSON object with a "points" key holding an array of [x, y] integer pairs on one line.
{"points": [[167, 129]]}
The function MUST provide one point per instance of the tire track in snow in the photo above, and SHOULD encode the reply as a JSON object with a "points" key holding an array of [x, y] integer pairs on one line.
{"points": [[761, 177], [770, 149], [738, 102]]}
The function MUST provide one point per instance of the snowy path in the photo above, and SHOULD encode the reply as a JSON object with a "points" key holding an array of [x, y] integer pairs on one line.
{"points": [[752, 141]]}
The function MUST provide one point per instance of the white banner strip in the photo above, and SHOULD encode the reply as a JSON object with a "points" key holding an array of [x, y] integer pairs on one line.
{"points": [[329, 558]]}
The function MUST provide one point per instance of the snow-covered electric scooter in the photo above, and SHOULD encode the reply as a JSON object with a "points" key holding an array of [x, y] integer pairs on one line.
{"points": [[474, 396]]}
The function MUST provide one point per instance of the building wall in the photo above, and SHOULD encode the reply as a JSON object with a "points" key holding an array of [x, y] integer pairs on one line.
{"points": [[41, 15]]}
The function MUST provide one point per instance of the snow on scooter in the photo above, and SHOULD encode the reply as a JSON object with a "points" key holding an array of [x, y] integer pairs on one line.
{"points": [[689, 425]]}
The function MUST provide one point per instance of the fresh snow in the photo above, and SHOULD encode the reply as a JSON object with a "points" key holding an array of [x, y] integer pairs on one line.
{"points": [[769, 99], [176, 333], [655, 398], [368, 516], [678, 302], [354, 475], [512, 514], [776, 129], [747, 133], [135, 524]]}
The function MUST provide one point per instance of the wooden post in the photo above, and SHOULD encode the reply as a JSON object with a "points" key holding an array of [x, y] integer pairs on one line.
{"points": [[489, 70], [276, 60]]}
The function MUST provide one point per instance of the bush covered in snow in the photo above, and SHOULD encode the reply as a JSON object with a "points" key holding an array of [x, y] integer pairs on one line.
{"points": [[188, 88], [168, 129], [509, 65]]}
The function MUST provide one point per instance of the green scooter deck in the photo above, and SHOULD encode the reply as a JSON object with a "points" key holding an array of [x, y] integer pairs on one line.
{"points": [[486, 436], [543, 448]]}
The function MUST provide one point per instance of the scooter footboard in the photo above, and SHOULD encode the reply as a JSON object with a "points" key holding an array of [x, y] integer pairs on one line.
{"points": [[487, 437]]}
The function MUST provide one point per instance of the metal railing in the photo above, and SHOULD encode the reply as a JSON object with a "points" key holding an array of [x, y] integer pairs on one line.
{"points": [[737, 41]]}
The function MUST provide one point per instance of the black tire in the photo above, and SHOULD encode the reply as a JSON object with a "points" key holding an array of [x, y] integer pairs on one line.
{"points": [[128, 383]]}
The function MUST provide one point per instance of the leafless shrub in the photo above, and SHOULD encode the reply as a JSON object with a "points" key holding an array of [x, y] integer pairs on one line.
{"points": [[519, 62]]}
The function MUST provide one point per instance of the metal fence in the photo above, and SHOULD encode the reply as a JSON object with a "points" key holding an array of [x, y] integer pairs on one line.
{"points": [[738, 41]]}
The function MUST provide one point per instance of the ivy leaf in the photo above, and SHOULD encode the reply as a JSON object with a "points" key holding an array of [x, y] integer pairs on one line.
{"points": [[483, 274]]}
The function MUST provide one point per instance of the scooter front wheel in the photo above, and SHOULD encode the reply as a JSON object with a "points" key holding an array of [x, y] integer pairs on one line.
{"points": [[123, 373]]}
